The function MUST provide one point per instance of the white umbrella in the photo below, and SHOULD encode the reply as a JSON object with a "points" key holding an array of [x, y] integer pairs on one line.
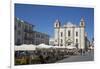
{"points": [[56, 47], [50, 46], [43, 46], [71, 47], [59, 46], [25, 47], [62, 47]]}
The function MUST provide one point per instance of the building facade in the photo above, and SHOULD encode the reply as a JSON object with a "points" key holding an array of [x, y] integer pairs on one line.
{"points": [[69, 34], [51, 41], [87, 42], [25, 34], [39, 38]]}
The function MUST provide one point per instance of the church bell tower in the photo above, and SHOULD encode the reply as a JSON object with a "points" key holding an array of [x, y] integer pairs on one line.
{"points": [[82, 33], [57, 26]]}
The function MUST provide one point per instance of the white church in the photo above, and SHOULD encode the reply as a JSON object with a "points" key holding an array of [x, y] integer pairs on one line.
{"points": [[70, 34]]}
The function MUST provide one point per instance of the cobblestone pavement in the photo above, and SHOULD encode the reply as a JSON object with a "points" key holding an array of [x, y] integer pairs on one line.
{"points": [[88, 56]]}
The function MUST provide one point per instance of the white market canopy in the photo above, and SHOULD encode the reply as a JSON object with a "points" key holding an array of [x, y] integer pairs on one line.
{"points": [[32, 47], [56, 47], [62, 47], [25, 47], [44, 46], [70, 47]]}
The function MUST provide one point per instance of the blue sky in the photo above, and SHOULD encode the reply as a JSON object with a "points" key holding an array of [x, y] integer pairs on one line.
{"points": [[43, 16]]}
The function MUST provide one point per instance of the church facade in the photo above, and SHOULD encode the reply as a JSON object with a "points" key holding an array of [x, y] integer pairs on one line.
{"points": [[70, 34]]}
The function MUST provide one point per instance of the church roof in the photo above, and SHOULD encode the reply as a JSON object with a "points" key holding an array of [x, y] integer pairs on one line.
{"points": [[69, 24]]}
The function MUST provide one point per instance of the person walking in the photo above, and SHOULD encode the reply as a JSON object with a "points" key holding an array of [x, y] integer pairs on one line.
{"points": [[84, 52], [81, 52]]}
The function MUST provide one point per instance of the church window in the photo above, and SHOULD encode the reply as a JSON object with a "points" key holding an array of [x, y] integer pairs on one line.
{"points": [[82, 23], [76, 33], [69, 43], [56, 24], [61, 41], [61, 34], [68, 33], [76, 40]]}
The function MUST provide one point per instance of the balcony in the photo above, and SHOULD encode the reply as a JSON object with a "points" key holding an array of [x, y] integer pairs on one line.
{"points": [[28, 38], [28, 31]]}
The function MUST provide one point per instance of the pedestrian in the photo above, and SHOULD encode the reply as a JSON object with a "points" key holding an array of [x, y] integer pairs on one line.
{"points": [[83, 52]]}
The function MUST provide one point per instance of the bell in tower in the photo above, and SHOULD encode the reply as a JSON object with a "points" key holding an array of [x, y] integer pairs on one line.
{"points": [[57, 24], [82, 22]]}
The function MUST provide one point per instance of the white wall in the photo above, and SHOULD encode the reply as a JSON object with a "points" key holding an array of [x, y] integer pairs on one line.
{"points": [[78, 37]]}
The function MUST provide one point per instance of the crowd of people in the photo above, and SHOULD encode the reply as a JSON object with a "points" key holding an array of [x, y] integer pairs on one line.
{"points": [[41, 56]]}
